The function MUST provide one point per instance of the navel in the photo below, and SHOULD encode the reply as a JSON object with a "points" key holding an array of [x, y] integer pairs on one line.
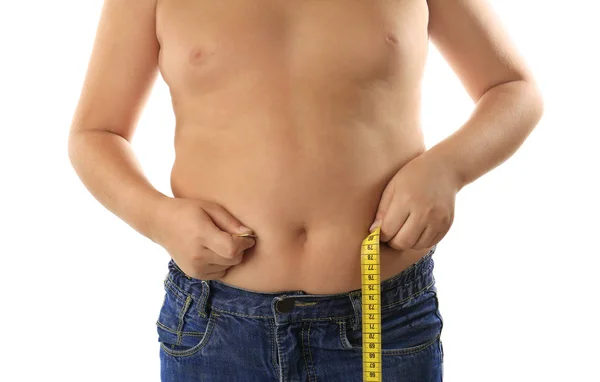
{"points": [[301, 234]]}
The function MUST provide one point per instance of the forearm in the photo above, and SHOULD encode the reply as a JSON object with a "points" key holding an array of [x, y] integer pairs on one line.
{"points": [[501, 121], [107, 166]]}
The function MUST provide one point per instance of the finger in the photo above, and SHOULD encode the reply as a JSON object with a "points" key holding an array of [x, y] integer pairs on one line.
{"points": [[384, 204], [221, 242], [215, 259], [393, 220], [435, 239], [213, 268], [242, 243], [408, 233], [215, 275], [224, 244], [425, 238], [224, 220], [439, 237]]}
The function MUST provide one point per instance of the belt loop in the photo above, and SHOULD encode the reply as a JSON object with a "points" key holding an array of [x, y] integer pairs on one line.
{"points": [[203, 298], [356, 301]]}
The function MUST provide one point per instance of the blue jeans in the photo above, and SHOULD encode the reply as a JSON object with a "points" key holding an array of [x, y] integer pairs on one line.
{"points": [[212, 331]]}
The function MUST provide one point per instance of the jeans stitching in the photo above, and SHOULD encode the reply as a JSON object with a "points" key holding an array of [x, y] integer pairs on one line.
{"points": [[166, 328], [437, 311], [414, 295], [439, 316], [273, 345], [411, 350], [304, 353], [326, 318], [203, 342], [312, 362], [238, 314], [340, 326], [171, 281], [343, 338], [202, 301], [348, 346], [181, 317], [405, 351], [177, 292], [281, 365]]}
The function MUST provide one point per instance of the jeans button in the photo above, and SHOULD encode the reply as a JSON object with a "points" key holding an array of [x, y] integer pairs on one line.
{"points": [[285, 305]]}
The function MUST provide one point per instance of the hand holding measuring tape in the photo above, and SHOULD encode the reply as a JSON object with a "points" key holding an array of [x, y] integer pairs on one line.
{"points": [[416, 208]]}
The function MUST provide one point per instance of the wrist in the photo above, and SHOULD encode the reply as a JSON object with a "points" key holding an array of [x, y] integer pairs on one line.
{"points": [[447, 168], [158, 217]]}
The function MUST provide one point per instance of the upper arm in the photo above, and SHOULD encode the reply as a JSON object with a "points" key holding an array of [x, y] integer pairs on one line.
{"points": [[122, 68], [469, 35]]}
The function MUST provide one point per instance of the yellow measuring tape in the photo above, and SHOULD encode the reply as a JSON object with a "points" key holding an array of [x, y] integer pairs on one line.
{"points": [[371, 307]]}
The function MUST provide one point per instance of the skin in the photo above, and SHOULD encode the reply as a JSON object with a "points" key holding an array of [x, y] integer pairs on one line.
{"points": [[300, 121]]}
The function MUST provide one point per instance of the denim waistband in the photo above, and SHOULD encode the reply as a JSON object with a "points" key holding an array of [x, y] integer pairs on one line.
{"points": [[297, 305]]}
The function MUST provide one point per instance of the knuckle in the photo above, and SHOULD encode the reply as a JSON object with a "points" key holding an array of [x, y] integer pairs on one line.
{"points": [[442, 211], [199, 253], [222, 244], [229, 248], [432, 211], [198, 243], [199, 239], [400, 243], [437, 214], [444, 219], [206, 207]]}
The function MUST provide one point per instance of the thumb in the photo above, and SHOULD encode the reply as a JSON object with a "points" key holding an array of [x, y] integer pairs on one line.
{"points": [[384, 203], [225, 221]]}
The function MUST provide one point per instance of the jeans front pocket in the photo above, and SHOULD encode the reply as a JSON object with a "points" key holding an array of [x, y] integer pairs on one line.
{"points": [[406, 327], [182, 329]]}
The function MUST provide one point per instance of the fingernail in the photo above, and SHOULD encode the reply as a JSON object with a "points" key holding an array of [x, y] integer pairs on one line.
{"points": [[243, 229], [374, 225]]}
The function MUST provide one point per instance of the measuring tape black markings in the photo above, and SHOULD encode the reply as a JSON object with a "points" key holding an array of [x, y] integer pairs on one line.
{"points": [[371, 307]]}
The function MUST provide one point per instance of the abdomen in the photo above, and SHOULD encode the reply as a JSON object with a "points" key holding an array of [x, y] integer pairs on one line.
{"points": [[294, 118]]}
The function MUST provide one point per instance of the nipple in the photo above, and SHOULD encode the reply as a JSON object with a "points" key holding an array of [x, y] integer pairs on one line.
{"points": [[196, 56]]}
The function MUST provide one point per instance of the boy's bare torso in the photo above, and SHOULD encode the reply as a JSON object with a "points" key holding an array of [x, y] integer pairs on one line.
{"points": [[294, 116]]}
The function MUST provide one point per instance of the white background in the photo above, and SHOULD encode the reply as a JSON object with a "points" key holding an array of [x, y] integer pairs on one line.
{"points": [[517, 273]]}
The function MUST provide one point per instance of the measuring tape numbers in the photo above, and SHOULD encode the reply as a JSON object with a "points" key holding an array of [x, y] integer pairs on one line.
{"points": [[371, 307]]}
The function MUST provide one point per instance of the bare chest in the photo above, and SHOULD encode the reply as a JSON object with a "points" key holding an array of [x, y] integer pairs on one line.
{"points": [[204, 42]]}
